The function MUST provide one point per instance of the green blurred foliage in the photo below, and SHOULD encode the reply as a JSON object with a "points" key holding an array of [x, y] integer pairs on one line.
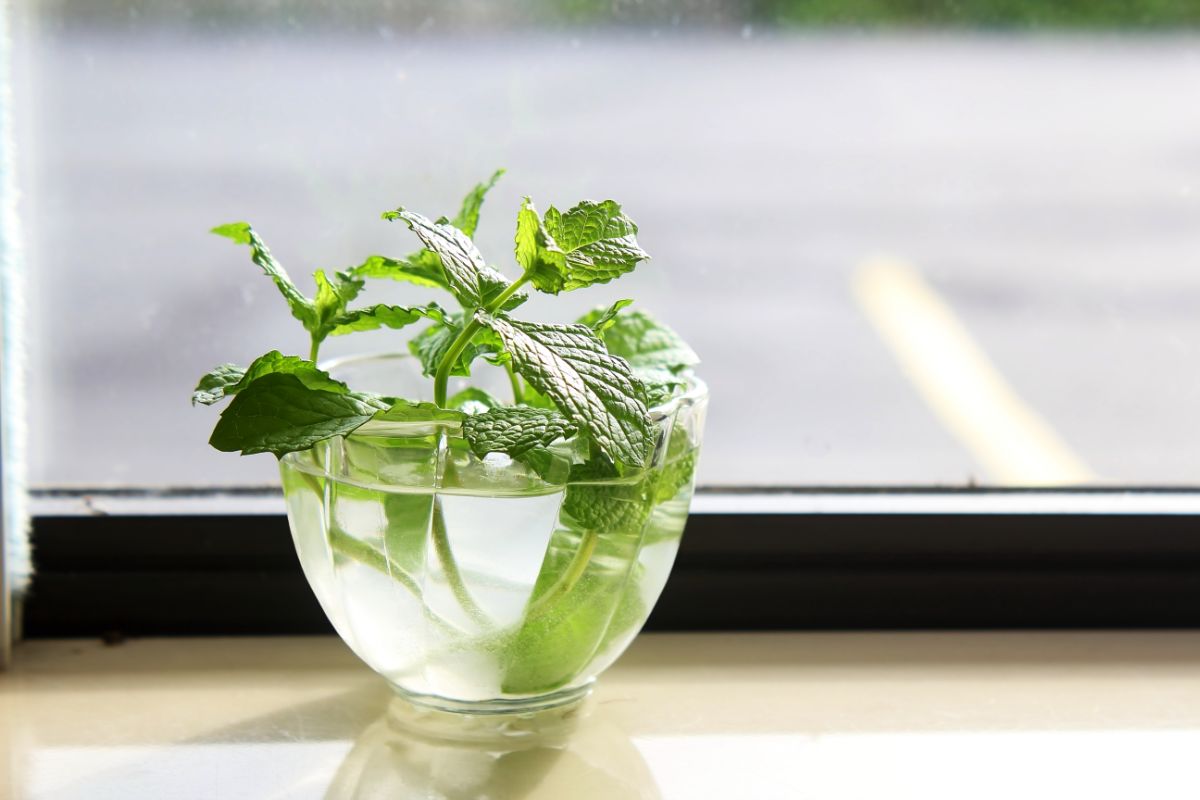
{"points": [[449, 15], [1101, 14]]}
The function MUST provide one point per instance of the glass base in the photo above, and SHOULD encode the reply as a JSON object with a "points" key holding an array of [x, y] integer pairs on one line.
{"points": [[485, 720]]}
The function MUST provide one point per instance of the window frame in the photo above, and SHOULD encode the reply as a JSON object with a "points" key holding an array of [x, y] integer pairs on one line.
{"points": [[117, 563]]}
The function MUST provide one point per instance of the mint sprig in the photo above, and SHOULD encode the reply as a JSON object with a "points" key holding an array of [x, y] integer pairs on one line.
{"points": [[592, 243], [597, 377]]}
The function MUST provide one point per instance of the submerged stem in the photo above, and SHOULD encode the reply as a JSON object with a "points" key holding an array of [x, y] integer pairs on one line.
{"points": [[441, 545], [566, 582], [344, 544]]}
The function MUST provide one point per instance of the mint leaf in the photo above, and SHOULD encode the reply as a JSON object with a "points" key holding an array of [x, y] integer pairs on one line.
{"points": [[277, 413], [467, 219], [595, 390], [276, 362], [643, 341], [212, 387], [473, 401], [229, 379], [601, 319], [431, 345], [537, 252], [660, 384], [567, 621], [383, 316], [422, 268], [408, 411], [515, 431], [460, 259], [332, 297], [302, 308], [598, 241], [596, 502]]}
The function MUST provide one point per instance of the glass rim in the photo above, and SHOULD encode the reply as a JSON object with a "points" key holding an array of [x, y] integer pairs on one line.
{"points": [[695, 392]]}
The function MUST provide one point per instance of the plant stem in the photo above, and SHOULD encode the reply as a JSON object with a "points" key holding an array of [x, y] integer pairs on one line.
{"points": [[441, 544], [314, 349], [566, 582], [515, 382], [503, 297], [442, 376], [345, 544]]}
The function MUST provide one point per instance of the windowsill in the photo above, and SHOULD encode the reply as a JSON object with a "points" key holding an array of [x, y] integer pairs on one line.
{"points": [[976, 714]]}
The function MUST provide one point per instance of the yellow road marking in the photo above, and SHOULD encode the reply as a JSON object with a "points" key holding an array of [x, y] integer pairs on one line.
{"points": [[960, 384]]}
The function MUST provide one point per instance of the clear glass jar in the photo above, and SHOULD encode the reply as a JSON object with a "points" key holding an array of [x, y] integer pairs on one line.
{"points": [[481, 584]]}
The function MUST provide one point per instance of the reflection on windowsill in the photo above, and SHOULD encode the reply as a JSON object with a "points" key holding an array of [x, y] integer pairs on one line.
{"points": [[594, 759], [282, 755]]}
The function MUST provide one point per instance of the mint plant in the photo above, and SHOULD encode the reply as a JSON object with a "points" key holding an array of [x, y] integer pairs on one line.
{"points": [[591, 383], [597, 377]]}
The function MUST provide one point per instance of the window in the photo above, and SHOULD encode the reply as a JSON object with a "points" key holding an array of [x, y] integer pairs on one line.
{"points": [[809, 194], [917, 245]]}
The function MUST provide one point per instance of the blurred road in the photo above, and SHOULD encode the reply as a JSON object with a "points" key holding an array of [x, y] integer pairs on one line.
{"points": [[1045, 189]]}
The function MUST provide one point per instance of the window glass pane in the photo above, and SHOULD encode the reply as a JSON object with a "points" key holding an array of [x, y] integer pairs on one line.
{"points": [[914, 245]]}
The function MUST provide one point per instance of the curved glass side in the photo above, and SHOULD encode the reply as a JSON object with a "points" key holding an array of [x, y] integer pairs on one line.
{"points": [[486, 580]]}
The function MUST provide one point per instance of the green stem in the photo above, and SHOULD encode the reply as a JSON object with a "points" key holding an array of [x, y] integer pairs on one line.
{"points": [[515, 382], [314, 349], [441, 545], [442, 377], [503, 297], [566, 581], [345, 544]]}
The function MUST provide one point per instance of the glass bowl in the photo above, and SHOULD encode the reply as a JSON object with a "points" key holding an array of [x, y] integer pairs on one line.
{"points": [[485, 585]]}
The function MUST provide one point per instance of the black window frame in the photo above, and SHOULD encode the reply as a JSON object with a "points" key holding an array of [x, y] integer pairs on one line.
{"points": [[124, 562]]}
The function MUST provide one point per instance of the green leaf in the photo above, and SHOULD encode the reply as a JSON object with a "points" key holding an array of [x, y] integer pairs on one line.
{"points": [[383, 316], [460, 259], [473, 401], [276, 362], [278, 413], [302, 308], [566, 621], [332, 297], [432, 344], [537, 252], [595, 390], [595, 501], [422, 268], [468, 216], [660, 384], [408, 411], [601, 319], [598, 240], [515, 430], [229, 379], [212, 387], [645, 342], [674, 476]]}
